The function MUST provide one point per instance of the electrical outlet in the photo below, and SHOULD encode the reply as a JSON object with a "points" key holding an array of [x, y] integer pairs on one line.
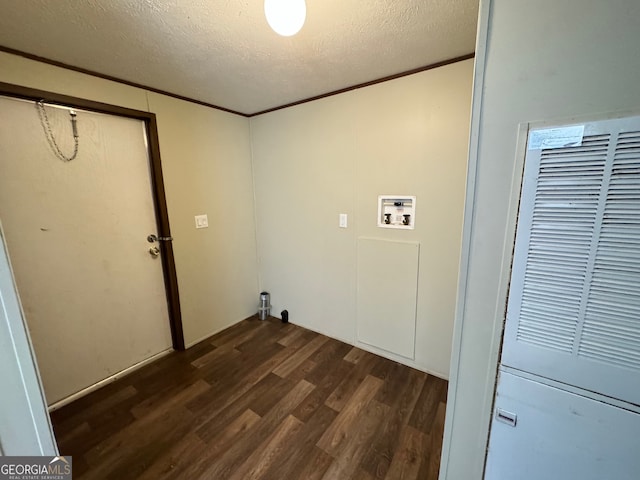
{"points": [[202, 221], [343, 220]]}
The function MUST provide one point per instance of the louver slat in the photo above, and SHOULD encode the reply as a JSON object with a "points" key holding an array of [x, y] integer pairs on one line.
{"points": [[562, 225], [611, 331]]}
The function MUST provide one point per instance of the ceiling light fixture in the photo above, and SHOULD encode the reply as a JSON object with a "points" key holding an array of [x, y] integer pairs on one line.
{"points": [[285, 17]]}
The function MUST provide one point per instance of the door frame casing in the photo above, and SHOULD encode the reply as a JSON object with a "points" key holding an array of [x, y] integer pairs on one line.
{"points": [[157, 186]]}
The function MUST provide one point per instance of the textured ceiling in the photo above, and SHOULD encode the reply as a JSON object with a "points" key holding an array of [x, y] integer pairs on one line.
{"points": [[223, 52]]}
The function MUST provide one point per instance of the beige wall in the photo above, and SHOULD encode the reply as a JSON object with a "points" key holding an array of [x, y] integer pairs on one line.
{"points": [[207, 169], [336, 155], [545, 60], [311, 162]]}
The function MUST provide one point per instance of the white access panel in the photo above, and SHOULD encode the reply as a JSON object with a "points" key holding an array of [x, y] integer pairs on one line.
{"points": [[387, 294], [560, 435]]}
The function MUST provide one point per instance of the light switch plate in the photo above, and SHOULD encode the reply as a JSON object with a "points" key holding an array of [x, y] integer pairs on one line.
{"points": [[202, 221], [343, 220]]}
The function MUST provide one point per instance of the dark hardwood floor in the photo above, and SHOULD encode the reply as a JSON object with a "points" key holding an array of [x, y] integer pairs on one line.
{"points": [[260, 400]]}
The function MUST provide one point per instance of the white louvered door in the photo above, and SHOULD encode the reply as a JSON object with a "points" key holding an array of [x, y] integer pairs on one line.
{"points": [[573, 313]]}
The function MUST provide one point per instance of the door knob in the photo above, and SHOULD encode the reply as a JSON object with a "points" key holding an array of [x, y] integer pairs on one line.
{"points": [[154, 251], [154, 238]]}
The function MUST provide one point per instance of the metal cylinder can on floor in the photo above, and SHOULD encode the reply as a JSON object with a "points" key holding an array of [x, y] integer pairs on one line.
{"points": [[264, 307]]}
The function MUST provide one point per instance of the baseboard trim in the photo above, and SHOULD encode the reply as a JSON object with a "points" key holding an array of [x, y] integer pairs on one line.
{"points": [[407, 362], [209, 335], [92, 388]]}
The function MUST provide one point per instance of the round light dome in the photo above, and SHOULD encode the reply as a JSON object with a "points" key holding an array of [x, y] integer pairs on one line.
{"points": [[286, 17]]}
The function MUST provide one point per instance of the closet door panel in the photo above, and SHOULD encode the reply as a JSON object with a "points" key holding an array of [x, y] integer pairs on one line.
{"points": [[573, 313], [560, 435]]}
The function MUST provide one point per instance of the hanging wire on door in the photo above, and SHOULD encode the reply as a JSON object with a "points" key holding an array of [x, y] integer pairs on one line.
{"points": [[44, 120]]}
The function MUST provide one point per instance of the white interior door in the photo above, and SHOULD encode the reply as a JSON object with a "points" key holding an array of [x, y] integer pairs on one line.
{"points": [[93, 295], [25, 428]]}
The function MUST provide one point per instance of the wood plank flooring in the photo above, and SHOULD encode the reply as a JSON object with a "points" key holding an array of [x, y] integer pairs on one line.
{"points": [[260, 400]]}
